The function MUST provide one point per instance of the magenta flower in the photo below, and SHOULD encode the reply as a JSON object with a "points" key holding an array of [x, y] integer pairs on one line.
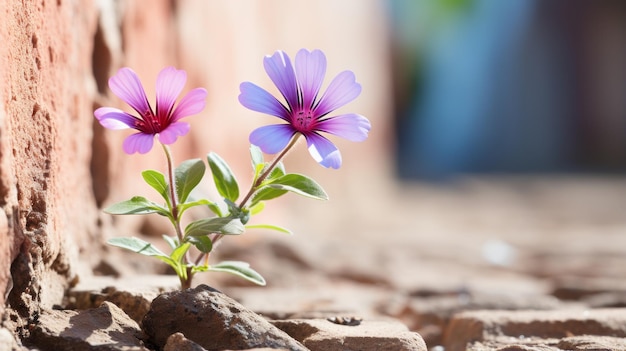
{"points": [[162, 122], [304, 112]]}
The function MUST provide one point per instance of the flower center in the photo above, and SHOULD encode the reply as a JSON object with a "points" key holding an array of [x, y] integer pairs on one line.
{"points": [[150, 124], [303, 120]]}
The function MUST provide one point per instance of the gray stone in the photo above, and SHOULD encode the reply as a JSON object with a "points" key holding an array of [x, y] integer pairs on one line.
{"points": [[178, 342], [525, 326], [106, 328], [212, 320], [592, 343], [7, 341], [367, 335], [132, 294]]}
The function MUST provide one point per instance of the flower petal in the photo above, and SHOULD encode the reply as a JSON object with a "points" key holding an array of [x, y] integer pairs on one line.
{"points": [[273, 138], [310, 71], [127, 86], [350, 126], [112, 118], [173, 131], [258, 99], [169, 84], [323, 151], [280, 70], [341, 90], [138, 142], [192, 103]]}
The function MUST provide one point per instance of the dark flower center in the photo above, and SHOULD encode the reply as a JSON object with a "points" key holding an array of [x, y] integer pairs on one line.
{"points": [[150, 123], [303, 120]]}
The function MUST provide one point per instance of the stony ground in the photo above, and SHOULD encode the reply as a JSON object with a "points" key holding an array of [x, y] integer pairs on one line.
{"points": [[481, 264]]}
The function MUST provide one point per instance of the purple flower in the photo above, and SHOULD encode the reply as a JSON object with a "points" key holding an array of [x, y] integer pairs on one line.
{"points": [[305, 112], [162, 122]]}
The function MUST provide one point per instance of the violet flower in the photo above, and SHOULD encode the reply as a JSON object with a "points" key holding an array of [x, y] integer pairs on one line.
{"points": [[162, 122], [304, 112]]}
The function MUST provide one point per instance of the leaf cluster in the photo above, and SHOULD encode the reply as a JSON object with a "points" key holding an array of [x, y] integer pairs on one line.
{"points": [[270, 182]]}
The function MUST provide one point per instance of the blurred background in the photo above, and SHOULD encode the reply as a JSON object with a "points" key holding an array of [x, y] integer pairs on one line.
{"points": [[498, 131], [521, 86]]}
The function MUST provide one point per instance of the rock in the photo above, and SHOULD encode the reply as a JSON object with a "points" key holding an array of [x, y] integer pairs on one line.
{"points": [[132, 294], [366, 335], [429, 315], [592, 343], [7, 341], [212, 320], [178, 342], [580, 288], [106, 328], [480, 326]]}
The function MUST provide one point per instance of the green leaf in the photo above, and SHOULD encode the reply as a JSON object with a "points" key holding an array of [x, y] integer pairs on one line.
{"points": [[220, 225], [146, 248], [215, 208], [202, 202], [256, 155], [223, 177], [277, 172], [241, 269], [172, 241], [235, 212], [270, 227], [137, 205], [257, 208], [257, 171], [157, 181], [299, 184], [202, 268], [137, 245], [179, 253], [203, 243], [266, 193], [188, 175]]}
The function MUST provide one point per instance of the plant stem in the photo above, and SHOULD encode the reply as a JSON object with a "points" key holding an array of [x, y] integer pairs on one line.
{"points": [[173, 197], [185, 283], [260, 179], [267, 172]]}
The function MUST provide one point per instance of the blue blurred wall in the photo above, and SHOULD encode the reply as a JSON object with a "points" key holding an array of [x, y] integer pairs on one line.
{"points": [[492, 86]]}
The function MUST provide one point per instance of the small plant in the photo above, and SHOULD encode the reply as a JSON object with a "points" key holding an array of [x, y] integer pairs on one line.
{"points": [[304, 113]]}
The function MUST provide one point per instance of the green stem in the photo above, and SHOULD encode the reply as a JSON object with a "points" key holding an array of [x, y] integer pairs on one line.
{"points": [[173, 197], [260, 180], [267, 172], [184, 282]]}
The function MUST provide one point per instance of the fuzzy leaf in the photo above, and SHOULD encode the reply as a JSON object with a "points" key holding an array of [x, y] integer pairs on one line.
{"points": [[188, 176], [137, 245], [270, 227], [299, 184], [179, 253], [220, 225], [257, 208], [224, 179], [266, 193], [137, 205], [157, 181], [172, 241], [241, 269], [256, 155], [202, 202], [202, 243]]}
